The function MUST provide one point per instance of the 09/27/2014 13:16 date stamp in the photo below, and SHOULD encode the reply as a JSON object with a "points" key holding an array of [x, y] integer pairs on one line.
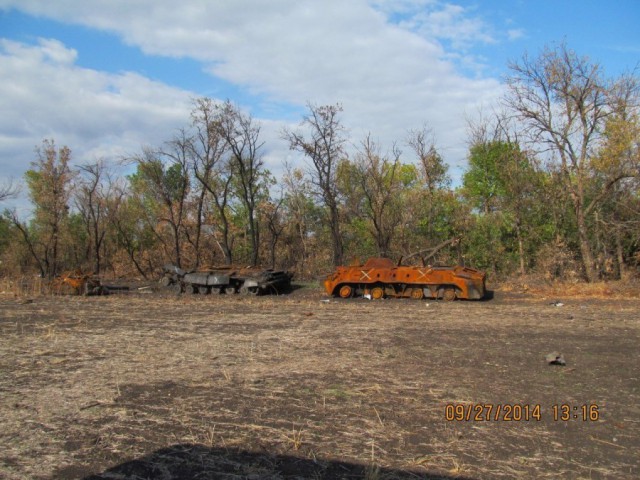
{"points": [[516, 412]]}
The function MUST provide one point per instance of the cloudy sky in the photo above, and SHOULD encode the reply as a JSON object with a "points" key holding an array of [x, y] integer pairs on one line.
{"points": [[106, 77]]}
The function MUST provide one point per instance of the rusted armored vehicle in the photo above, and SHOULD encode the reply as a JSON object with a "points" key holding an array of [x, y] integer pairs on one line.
{"points": [[227, 279], [77, 283], [381, 277]]}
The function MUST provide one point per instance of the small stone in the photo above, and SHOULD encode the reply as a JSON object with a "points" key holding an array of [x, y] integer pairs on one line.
{"points": [[555, 358]]}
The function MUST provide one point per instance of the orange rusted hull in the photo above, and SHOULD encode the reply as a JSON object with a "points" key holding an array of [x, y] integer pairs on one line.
{"points": [[77, 283], [381, 277]]}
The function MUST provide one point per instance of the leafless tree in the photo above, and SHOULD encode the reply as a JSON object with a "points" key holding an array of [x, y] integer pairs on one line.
{"points": [[92, 194], [211, 167], [8, 190], [122, 215], [272, 214], [324, 147], [432, 167], [242, 137], [300, 222], [433, 174], [168, 188], [378, 178]]}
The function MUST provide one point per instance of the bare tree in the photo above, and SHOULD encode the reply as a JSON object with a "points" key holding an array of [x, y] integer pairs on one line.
{"points": [[211, 167], [272, 214], [242, 137], [122, 214], [91, 198], [432, 172], [166, 189], [378, 178], [300, 219], [324, 147], [433, 168], [8, 190], [564, 101]]}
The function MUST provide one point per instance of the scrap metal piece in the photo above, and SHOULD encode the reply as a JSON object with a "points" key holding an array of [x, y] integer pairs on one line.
{"points": [[76, 282]]}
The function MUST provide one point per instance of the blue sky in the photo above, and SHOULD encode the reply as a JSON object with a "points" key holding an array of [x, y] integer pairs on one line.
{"points": [[104, 51], [107, 77]]}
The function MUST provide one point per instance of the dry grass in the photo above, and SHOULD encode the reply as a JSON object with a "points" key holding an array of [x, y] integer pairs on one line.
{"points": [[89, 383], [537, 288], [25, 286]]}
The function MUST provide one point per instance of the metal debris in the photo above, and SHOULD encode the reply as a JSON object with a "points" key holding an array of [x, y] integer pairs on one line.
{"points": [[227, 279]]}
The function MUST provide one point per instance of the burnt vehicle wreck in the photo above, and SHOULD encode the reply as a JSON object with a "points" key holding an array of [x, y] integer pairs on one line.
{"points": [[381, 277], [227, 280]]}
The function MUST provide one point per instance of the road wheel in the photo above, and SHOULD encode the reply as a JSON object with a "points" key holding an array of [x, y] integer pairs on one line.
{"points": [[216, 290], [190, 289], [417, 293], [377, 293], [449, 294], [166, 281], [345, 291], [230, 290]]}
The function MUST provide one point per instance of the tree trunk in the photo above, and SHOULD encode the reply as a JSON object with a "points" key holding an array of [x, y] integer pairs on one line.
{"points": [[135, 262], [585, 249], [520, 249], [176, 245], [274, 241], [622, 265], [338, 249], [253, 234], [54, 260], [198, 235], [27, 240]]}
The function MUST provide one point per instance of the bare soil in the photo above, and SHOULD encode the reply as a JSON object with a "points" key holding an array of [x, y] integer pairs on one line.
{"points": [[154, 385]]}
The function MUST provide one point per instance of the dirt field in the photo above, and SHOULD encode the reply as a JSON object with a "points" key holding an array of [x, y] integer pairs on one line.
{"points": [[136, 386]]}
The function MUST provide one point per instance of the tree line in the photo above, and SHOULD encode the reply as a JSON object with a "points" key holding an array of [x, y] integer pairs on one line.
{"points": [[551, 187]]}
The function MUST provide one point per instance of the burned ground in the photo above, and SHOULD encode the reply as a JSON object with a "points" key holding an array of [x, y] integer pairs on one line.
{"points": [[158, 386]]}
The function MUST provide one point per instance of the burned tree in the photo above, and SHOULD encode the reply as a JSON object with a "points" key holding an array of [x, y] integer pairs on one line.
{"points": [[324, 147]]}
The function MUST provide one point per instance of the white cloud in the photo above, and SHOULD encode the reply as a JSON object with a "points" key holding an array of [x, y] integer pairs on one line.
{"points": [[43, 94], [439, 20], [516, 34], [56, 52], [389, 78]]}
